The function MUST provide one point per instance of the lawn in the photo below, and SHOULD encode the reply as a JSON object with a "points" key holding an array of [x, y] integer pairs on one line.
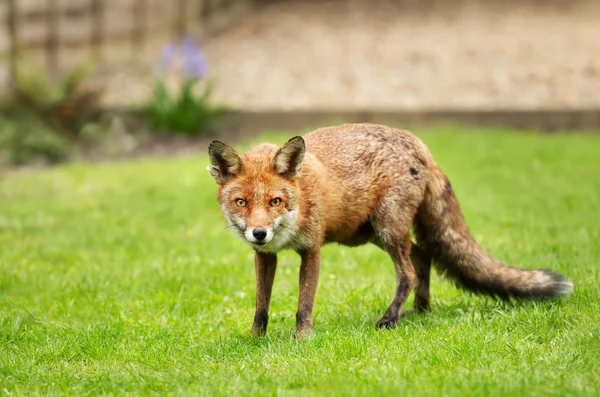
{"points": [[122, 278]]}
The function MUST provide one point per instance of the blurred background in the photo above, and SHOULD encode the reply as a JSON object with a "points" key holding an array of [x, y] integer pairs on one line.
{"points": [[111, 78]]}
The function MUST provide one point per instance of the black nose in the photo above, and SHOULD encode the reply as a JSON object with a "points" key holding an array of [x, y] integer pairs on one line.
{"points": [[259, 233]]}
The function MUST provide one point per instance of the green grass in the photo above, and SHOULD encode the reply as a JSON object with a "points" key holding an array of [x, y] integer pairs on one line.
{"points": [[122, 278]]}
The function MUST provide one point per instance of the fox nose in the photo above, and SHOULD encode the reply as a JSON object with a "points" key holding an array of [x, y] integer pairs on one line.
{"points": [[259, 233]]}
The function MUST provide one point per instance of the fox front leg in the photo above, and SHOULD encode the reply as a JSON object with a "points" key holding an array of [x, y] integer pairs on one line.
{"points": [[265, 265], [309, 278]]}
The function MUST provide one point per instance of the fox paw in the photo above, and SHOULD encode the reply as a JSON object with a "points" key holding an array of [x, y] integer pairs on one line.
{"points": [[422, 305], [386, 322], [259, 331], [302, 334]]}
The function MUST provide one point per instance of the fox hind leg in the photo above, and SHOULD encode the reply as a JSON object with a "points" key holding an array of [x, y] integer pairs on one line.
{"points": [[422, 264], [393, 235], [405, 279]]}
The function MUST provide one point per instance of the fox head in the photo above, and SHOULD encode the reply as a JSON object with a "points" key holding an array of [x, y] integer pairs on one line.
{"points": [[257, 191]]}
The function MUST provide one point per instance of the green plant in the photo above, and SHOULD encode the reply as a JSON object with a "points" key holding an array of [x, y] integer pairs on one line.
{"points": [[189, 111], [44, 118], [64, 105], [25, 140]]}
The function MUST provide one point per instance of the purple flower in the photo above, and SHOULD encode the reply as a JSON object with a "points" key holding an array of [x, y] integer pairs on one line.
{"points": [[166, 57], [189, 44], [194, 65]]}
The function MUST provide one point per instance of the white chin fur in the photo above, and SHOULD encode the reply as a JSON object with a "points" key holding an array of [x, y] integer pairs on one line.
{"points": [[284, 234], [287, 235]]}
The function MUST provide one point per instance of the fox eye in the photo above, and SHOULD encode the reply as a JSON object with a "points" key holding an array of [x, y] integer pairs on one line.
{"points": [[241, 202], [276, 202]]}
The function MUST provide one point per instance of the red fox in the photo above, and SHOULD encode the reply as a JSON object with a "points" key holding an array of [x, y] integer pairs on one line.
{"points": [[356, 184]]}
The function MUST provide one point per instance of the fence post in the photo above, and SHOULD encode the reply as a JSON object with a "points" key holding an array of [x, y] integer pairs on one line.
{"points": [[180, 21], [97, 31], [138, 33], [52, 37], [13, 54], [205, 9]]}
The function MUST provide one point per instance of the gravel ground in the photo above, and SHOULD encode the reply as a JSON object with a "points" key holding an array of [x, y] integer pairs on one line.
{"points": [[384, 54]]}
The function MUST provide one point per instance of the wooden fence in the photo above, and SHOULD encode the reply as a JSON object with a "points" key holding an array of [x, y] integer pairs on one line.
{"points": [[61, 32]]}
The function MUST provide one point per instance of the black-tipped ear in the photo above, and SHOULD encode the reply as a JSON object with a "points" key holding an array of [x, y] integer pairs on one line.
{"points": [[225, 161], [288, 160]]}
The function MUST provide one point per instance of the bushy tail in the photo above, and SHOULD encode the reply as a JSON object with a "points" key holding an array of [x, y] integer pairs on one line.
{"points": [[442, 231]]}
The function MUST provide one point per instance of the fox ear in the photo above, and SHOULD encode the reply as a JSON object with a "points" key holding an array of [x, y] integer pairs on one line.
{"points": [[225, 161], [288, 160]]}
